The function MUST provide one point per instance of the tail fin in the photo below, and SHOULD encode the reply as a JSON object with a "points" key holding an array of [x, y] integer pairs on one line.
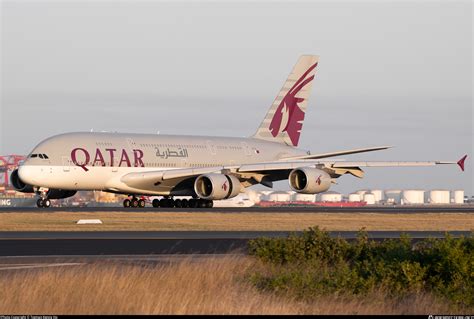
{"points": [[284, 120]]}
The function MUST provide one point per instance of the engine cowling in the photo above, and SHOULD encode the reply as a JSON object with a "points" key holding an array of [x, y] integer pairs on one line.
{"points": [[308, 180], [217, 186], [60, 193], [18, 184]]}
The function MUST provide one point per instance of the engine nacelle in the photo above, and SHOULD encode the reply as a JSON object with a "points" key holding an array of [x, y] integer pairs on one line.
{"points": [[308, 180], [217, 186], [60, 193], [19, 184]]}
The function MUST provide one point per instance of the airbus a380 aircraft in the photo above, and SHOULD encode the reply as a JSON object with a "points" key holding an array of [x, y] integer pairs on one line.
{"points": [[203, 167]]}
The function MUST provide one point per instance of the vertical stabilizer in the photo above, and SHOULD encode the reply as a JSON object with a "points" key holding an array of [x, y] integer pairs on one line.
{"points": [[284, 120]]}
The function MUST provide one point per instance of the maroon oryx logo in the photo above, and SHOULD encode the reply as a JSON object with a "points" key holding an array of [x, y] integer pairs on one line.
{"points": [[224, 186], [289, 116], [318, 180]]}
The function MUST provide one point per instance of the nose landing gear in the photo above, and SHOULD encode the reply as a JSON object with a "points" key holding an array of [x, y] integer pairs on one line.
{"points": [[43, 203]]}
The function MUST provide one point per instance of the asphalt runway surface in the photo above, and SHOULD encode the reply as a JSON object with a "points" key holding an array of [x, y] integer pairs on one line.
{"points": [[288, 209], [162, 242], [20, 263]]}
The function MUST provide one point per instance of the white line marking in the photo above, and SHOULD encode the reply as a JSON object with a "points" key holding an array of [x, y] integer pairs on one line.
{"points": [[29, 266]]}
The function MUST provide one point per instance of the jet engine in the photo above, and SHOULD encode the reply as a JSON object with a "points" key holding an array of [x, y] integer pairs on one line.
{"points": [[20, 186], [217, 186], [308, 180], [60, 193], [18, 183]]}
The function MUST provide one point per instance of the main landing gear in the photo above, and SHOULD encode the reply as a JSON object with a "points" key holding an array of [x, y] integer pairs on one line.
{"points": [[134, 203], [168, 202], [182, 203]]}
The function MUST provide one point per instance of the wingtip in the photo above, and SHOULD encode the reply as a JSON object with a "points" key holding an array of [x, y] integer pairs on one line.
{"points": [[461, 162]]}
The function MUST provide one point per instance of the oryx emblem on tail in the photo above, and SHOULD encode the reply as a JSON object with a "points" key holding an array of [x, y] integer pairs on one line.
{"points": [[284, 120], [289, 116]]}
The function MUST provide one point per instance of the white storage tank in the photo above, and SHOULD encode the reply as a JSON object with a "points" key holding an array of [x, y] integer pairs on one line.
{"points": [[354, 197], [304, 197], [439, 196], [369, 198], [458, 196], [379, 195], [413, 196], [393, 196], [362, 192], [279, 197], [265, 195], [331, 197], [254, 196]]}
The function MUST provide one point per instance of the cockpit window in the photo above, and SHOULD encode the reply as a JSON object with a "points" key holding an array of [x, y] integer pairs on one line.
{"points": [[41, 156], [34, 155], [45, 156]]}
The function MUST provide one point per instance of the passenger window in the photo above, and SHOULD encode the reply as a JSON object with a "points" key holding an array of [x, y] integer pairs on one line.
{"points": [[45, 156]]}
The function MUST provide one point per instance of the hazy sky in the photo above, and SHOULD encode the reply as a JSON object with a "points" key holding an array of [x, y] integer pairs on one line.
{"points": [[390, 73]]}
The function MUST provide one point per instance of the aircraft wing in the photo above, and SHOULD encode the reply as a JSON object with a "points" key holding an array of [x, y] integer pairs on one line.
{"points": [[265, 173], [339, 153], [338, 168], [338, 164]]}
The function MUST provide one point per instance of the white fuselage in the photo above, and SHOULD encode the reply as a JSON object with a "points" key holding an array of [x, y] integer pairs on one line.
{"points": [[98, 161]]}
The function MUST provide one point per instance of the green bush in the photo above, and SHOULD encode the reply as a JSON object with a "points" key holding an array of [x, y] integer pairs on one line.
{"points": [[314, 264]]}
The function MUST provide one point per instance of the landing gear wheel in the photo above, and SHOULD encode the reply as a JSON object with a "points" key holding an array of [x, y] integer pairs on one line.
{"points": [[40, 203], [134, 202], [192, 203], [163, 202], [141, 203], [126, 203], [156, 203], [209, 204], [178, 203], [169, 203], [46, 203], [201, 203], [184, 203]]}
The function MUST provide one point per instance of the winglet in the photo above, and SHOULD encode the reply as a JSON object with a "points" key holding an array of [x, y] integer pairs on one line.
{"points": [[461, 162]]}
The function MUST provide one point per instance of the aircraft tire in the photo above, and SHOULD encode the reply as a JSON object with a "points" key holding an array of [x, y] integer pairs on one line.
{"points": [[209, 204], [184, 203], [126, 203], [156, 203], [169, 203], [163, 202], [192, 203], [134, 203], [46, 203], [141, 203], [178, 203], [201, 203], [40, 203]]}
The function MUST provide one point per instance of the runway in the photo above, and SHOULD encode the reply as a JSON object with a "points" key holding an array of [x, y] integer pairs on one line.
{"points": [[163, 242], [286, 209]]}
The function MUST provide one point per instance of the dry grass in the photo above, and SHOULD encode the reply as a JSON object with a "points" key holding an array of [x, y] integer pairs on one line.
{"points": [[65, 221], [209, 286]]}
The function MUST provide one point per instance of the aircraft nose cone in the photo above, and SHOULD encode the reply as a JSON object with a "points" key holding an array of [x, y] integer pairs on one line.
{"points": [[26, 174]]}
